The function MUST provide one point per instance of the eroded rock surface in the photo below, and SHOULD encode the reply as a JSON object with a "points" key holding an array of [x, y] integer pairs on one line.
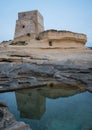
{"points": [[24, 67], [8, 122], [26, 75]]}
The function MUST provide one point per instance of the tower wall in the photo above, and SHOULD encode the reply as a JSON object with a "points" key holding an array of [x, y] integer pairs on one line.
{"points": [[28, 23]]}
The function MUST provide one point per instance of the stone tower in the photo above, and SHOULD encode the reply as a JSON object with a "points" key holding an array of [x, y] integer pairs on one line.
{"points": [[28, 23]]}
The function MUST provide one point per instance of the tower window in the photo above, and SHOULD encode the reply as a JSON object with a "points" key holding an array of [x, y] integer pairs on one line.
{"points": [[28, 34], [23, 26], [50, 43]]}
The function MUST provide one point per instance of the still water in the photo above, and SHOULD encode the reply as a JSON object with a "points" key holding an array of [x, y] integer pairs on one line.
{"points": [[51, 108]]}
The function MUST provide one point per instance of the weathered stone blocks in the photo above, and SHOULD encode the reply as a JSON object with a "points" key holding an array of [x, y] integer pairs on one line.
{"points": [[28, 23]]}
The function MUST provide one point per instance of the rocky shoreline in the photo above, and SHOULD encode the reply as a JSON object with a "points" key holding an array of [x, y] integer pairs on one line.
{"points": [[32, 68], [8, 122], [14, 76]]}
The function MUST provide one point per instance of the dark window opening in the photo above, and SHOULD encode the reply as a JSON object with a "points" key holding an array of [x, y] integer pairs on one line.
{"points": [[28, 34], [23, 26], [37, 38], [50, 43]]}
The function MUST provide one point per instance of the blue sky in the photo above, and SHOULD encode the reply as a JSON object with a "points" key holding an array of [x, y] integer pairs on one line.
{"points": [[71, 15]]}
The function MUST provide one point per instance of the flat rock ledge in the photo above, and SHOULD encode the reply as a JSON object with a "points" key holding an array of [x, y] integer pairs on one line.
{"points": [[8, 122], [16, 76]]}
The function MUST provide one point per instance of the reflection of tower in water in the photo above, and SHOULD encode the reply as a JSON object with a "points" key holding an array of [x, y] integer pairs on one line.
{"points": [[30, 104]]}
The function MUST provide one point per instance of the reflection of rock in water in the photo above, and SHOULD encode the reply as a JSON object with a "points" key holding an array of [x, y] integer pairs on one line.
{"points": [[2, 105], [56, 91], [30, 104], [1, 115]]}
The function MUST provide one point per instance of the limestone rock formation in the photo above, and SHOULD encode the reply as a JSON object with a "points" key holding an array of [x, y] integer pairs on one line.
{"points": [[30, 28], [8, 121], [15, 76]]}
